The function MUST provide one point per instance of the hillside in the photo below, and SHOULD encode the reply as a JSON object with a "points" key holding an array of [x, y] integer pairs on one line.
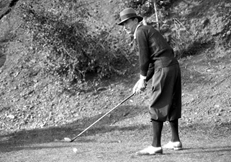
{"points": [[37, 108]]}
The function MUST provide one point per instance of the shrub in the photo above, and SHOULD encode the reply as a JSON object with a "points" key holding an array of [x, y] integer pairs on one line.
{"points": [[68, 49]]}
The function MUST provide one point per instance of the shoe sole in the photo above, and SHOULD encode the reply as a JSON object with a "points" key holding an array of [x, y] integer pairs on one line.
{"points": [[147, 154], [177, 149], [174, 148]]}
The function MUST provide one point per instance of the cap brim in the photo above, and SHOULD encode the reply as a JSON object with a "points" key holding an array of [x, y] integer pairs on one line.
{"points": [[123, 21]]}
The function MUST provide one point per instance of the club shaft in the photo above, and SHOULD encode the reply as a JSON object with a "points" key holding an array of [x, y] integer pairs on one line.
{"points": [[102, 116]]}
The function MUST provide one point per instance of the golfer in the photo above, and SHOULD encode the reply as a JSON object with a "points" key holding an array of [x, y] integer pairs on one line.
{"points": [[156, 61]]}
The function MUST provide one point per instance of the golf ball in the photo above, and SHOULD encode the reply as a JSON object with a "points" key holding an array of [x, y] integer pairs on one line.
{"points": [[75, 150]]}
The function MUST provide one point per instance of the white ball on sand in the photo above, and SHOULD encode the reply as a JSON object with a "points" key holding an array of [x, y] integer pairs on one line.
{"points": [[75, 150]]}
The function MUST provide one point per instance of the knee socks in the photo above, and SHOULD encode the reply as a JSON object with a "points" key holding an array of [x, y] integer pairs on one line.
{"points": [[157, 127], [175, 132]]}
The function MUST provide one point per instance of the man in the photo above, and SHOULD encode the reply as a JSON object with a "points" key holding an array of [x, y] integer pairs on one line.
{"points": [[156, 61]]}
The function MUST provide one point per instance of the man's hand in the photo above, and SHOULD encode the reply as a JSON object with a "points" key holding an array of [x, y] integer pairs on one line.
{"points": [[140, 85]]}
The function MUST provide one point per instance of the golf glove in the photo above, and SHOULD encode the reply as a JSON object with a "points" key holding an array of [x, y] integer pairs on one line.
{"points": [[140, 85]]}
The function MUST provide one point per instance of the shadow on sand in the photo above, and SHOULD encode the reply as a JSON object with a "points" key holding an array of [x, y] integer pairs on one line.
{"points": [[21, 139]]}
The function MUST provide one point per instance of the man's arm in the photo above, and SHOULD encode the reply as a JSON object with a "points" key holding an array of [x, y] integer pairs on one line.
{"points": [[150, 72]]}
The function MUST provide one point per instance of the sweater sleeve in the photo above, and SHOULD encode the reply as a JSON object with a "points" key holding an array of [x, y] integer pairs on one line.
{"points": [[150, 72], [144, 56]]}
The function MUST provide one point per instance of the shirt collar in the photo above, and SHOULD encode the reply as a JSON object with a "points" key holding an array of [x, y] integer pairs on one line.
{"points": [[136, 30]]}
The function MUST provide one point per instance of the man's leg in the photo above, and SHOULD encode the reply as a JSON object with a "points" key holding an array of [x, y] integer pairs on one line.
{"points": [[175, 131], [155, 148], [157, 127], [175, 142]]}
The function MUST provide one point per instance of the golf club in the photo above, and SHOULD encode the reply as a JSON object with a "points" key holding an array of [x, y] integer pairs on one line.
{"points": [[71, 140]]}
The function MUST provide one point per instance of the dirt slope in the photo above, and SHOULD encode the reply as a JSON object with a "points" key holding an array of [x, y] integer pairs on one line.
{"points": [[35, 110]]}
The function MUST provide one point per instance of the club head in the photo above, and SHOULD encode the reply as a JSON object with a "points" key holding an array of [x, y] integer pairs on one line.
{"points": [[66, 139]]}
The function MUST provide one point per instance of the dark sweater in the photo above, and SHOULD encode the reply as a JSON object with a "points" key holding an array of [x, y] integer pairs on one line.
{"points": [[154, 51]]}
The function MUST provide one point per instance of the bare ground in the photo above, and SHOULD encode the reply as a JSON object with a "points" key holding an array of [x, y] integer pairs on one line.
{"points": [[204, 127], [34, 118]]}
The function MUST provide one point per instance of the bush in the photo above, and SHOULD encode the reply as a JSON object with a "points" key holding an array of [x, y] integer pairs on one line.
{"points": [[68, 49]]}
